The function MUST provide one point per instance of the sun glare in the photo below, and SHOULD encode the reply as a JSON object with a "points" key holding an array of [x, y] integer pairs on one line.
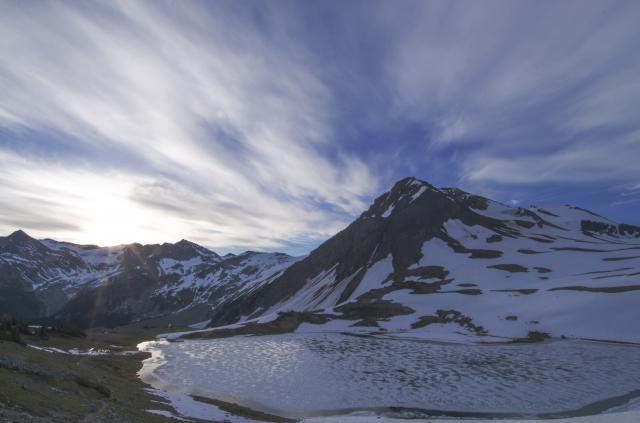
{"points": [[113, 218], [103, 208]]}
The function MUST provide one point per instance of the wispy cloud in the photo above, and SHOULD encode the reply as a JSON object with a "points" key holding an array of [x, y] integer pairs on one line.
{"points": [[224, 136], [527, 92]]}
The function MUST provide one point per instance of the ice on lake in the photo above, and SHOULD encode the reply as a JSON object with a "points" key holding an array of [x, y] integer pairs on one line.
{"points": [[306, 374]]}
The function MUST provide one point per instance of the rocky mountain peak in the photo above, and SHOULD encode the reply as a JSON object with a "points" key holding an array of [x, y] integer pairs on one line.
{"points": [[19, 242], [188, 247], [401, 195], [19, 235]]}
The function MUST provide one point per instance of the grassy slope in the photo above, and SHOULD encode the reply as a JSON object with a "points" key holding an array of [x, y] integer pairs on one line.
{"points": [[59, 387]]}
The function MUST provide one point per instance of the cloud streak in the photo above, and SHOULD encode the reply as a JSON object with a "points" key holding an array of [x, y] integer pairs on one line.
{"points": [[525, 92], [223, 133]]}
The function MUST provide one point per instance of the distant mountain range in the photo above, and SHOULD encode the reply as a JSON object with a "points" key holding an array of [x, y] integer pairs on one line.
{"points": [[92, 286], [421, 261]]}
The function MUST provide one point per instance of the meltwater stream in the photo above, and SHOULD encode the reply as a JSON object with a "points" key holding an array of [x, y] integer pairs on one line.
{"points": [[309, 374]]}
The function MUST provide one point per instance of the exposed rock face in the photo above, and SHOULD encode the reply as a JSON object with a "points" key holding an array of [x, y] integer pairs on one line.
{"points": [[397, 224], [499, 270]]}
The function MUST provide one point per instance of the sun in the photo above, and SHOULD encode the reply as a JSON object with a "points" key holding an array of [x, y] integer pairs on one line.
{"points": [[102, 208], [113, 218]]}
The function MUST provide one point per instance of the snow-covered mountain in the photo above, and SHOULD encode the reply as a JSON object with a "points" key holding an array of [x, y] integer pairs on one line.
{"points": [[109, 286], [38, 277], [443, 263]]}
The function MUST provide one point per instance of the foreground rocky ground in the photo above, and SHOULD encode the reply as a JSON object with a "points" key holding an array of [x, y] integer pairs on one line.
{"points": [[43, 386]]}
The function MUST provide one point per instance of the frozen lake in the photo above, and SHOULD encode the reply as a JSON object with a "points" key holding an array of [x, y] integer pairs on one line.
{"points": [[302, 375]]}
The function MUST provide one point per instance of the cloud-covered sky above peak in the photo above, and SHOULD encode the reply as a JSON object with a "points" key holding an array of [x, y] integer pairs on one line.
{"points": [[271, 125]]}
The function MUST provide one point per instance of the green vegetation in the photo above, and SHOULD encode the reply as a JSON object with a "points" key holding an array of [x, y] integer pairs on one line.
{"points": [[11, 330], [39, 386], [66, 329]]}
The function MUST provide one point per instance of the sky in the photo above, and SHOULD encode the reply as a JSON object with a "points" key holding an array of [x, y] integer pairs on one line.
{"points": [[270, 125]]}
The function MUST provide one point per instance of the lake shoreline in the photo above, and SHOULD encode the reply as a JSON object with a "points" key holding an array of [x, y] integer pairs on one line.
{"points": [[249, 406]]}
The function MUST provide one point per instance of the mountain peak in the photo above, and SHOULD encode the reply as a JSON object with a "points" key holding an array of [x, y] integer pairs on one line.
{"points": [[186, 248], [409, 183], [186, 243], [403, 193], [20, 242], [19, 235]]}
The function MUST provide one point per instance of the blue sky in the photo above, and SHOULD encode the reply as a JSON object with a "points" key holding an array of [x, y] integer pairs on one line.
{"points": [[272, 124]]}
